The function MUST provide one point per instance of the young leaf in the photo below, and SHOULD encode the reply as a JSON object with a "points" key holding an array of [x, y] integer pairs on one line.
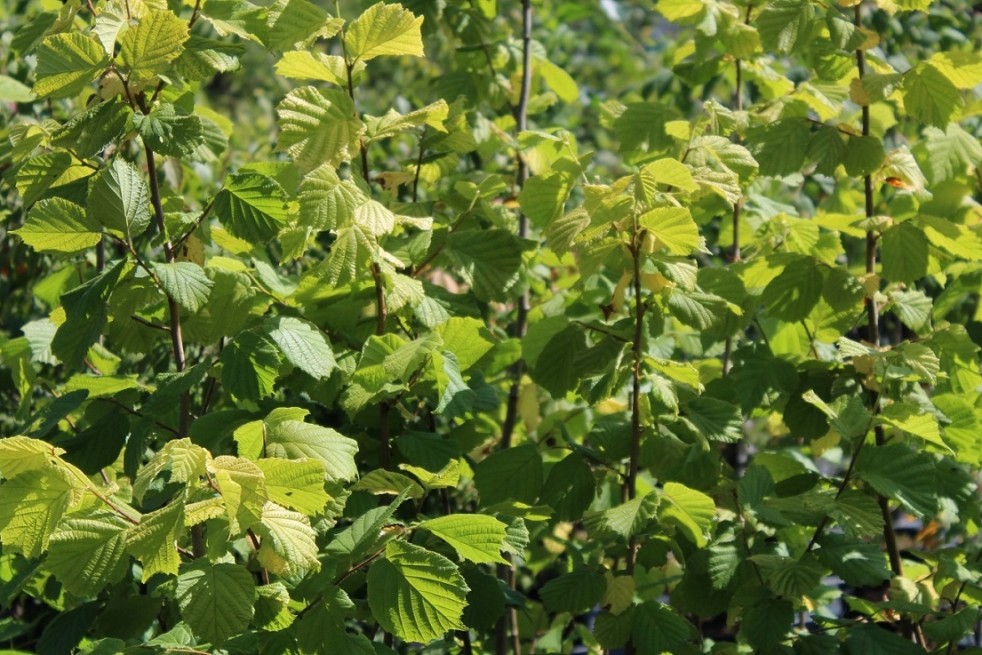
{"points": [[67, 63], [318, 127], [690, 510], [150, 47], [303, 346], [297, 484], [384, 29], [31, 505], [477, 538], [153, 541]]}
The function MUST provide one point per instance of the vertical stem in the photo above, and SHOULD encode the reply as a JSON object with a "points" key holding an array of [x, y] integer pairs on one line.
{"points": [[522, 174], [506, 572], [873, 336], [631, 482]]}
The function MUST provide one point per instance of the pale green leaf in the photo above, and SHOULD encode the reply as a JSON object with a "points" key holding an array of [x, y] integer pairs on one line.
{"points": [[913, 420], [297, 484], [58, 225], [288, 545], [476, 537], [929, 96], [673, 228], [319, 126], [310, 65], [415, 594], [21, 454], [31, 505], [293, 439], [154, 540], [690, 510], [384, 29], [326, 201], [67, 63], [150, 47], [296, 23]]}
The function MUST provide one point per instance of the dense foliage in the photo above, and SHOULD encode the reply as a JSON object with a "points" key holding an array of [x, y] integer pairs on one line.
{"points": [[490, 327]]}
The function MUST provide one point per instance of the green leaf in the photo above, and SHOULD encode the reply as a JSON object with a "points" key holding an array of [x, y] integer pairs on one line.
{"points": [[67, 63], [574, 592], [673, 229], [929, 96], [716, 420], [31, 505], [780, 147], [120, 200], [22, 454], [296, 23], [185, 283], [307, 65], [690, 510], [787, 577], [858, 514], [863, 155], [859, 563], [151, 46], [250, 366], [659, 629], [153, 541], [902, 474], [384, 29], [293, 439], [950, 152], [57, 225], [913, 420], [543, 197], [297, 484], [785, 24], [216, 600], [874, 640], [288, 545], [570, 488], [168, 131], [303, 346], [476, 537], [904, 253], [87, 553], [252, 206], [491, 260], [36, 175], [318, 127], [511, 474], [624, 520], [13, 91], [667, 172], [416, 594], [182, 460], [326, 201], [89, 132], [793, 294]]}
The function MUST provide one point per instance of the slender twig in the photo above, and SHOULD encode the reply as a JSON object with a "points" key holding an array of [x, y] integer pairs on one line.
{"points": [[873, 336], [506, 572]]}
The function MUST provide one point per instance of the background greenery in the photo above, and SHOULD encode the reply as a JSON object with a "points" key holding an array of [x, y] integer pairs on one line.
{"points": [[477, 326]]}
